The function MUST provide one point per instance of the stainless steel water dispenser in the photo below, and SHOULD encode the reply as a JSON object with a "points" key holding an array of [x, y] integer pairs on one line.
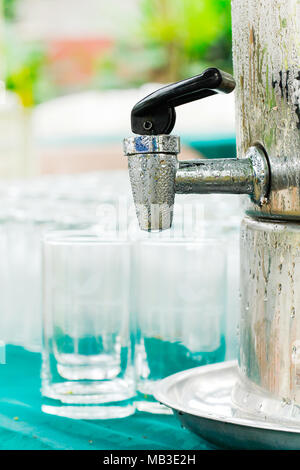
{"points": [[266, 52]]}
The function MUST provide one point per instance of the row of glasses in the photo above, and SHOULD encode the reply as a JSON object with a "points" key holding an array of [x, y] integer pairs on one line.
{"points": [[120, 313], [171, 287]]}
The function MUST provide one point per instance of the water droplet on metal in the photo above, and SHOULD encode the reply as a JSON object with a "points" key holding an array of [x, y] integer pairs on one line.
{"points": [[293, 312]]}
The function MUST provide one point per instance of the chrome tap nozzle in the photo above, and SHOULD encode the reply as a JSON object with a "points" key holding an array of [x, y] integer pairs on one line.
{"points": [[156, 175]]}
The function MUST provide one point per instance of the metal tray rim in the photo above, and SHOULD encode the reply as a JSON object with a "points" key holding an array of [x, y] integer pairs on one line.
{"points": [[161, 394]]}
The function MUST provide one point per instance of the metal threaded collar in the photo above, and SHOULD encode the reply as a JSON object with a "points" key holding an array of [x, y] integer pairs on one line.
{"points": [[151, 144]]}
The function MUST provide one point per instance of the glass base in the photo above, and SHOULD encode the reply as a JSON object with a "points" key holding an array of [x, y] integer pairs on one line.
{"points": [[158, 358], [151, 406], [76, 367], [88, 399], [89, 392], [90, 411], [146, 402]]}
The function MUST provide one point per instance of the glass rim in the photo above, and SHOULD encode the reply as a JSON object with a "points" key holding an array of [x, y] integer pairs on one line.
{"points": [[84, 237]]}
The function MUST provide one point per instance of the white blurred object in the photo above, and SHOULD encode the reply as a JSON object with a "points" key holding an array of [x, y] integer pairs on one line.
{"points": [[46, 19], [17, 155]]}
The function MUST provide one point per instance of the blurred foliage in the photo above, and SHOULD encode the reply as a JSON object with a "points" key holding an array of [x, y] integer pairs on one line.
{"points": [[175, 39], [172, 40], [9, 9], [191, 31], [25, 69]]}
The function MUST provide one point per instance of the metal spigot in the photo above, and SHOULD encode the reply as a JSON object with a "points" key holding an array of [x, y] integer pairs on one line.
{"points": [[156, 174]]}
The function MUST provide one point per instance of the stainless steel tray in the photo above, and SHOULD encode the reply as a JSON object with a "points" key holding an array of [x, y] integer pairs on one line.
{"points": [[201, 399]]}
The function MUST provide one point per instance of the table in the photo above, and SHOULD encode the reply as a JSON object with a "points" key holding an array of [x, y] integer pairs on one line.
{"points": [[24, 426]]}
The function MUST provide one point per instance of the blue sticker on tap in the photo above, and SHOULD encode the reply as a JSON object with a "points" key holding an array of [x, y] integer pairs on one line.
{"points": [[141, 144]]}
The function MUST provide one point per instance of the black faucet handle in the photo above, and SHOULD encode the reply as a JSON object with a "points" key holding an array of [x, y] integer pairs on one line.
{"points": [[155, 114]]}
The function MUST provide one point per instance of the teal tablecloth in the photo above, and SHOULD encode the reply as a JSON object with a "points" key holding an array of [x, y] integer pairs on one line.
{"points": [[24, 426]]}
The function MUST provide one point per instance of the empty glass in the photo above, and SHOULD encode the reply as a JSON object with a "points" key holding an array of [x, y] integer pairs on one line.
{"points": [[180, 305], [88, 350]]}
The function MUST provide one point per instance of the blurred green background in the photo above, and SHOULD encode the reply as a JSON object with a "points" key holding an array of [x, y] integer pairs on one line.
{"points": [[159, 41]]}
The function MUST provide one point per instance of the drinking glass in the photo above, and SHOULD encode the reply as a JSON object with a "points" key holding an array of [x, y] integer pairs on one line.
{"points": [[88, 332], [180, 305]]}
